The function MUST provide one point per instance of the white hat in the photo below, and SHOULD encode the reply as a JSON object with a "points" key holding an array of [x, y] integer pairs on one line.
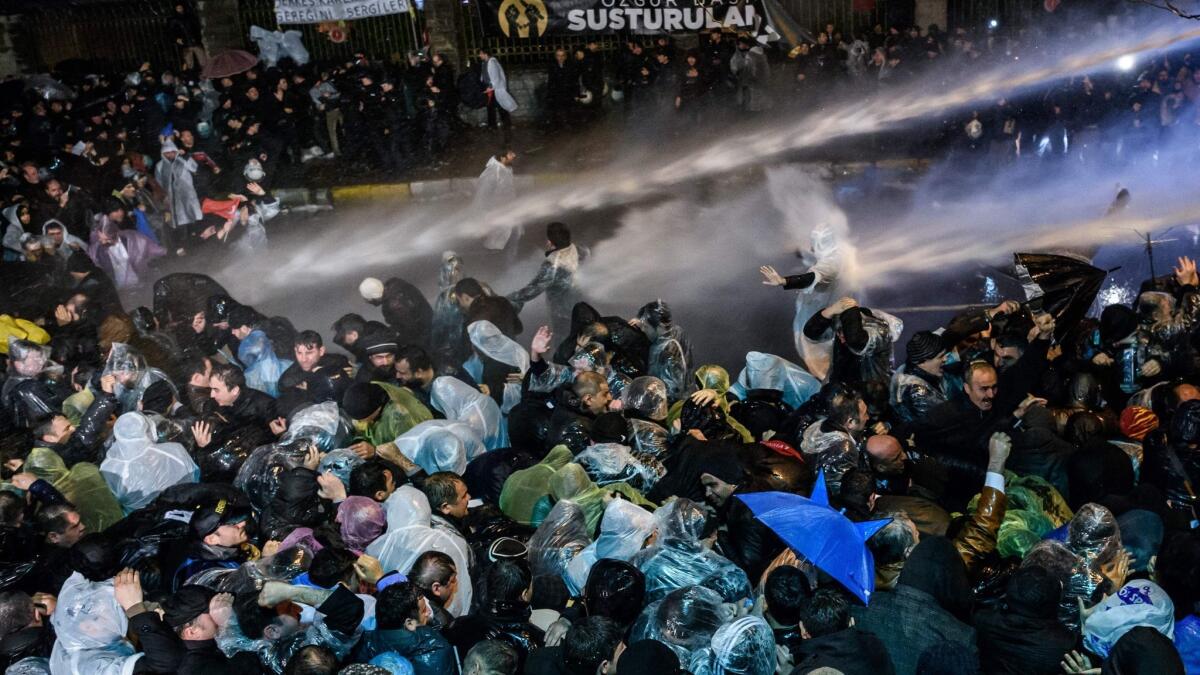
{"points": [[169, 146], [371, 289]]}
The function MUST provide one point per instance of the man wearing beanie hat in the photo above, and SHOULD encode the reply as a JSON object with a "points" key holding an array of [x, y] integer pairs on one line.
{"points": [[379, 347], [917, 386], [381, 412], [94, 283], [404, 307]]}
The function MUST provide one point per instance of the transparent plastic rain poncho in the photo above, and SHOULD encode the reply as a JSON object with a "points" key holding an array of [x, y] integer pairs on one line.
{"points": [[1095, 539], [834, 452], [767, 371], [623, 531], [409, 535], [91, 628], [572, 482], [715, 378], [679, 558], [259, 475], [1138, 603], [685, 620], [137, 468], [525, 488], [646, 397], [261, 366], [134, 376], [460, 402], [287, 564], [447, 318], [341, 463], [607, 463], [276, 45], [745, 647], [30, 665], [438, 445], [489, 341], [323, 423], [649, 439], [556, 542]]}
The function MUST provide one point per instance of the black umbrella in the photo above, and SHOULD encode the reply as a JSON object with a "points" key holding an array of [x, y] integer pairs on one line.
{"points": [[1059, 285]]}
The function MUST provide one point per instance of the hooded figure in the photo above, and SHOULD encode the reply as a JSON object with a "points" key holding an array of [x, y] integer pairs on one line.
{"points": [[459, 402], [525, 488], [361, 520], [82, 485], [670, 353], [818, 287], [1139, 603], [134, 376], [91, 628], [555, 278], [495, 189], [680, 559], [137, 469], [262, 366], [752, 72], [561, 536], [492, 345], [1095, 538], [685, 620], [409, 534], [645, 403], [70, 242], [572, 483], [624, 531], [714, 378], [124, 255], [447, 328], [767, 371], [438, 445], [175, 174], [745, 647], [16, 221], [29, 398]]}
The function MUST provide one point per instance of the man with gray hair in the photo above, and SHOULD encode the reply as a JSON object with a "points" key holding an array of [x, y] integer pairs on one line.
{"points": [[491, 657]]}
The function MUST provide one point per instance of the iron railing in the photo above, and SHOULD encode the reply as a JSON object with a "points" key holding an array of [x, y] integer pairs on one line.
{"points": [[385, 38], [119, 34]]}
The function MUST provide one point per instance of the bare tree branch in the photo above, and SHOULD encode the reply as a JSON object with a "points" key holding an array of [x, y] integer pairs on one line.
{"points": [[1168, 5]]}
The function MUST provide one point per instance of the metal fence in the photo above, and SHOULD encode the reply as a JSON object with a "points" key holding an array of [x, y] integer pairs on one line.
{"points": [[380, 38], [123, 34]]}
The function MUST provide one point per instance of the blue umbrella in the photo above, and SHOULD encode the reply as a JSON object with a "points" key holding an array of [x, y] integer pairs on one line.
{"points": [[813, 529]]}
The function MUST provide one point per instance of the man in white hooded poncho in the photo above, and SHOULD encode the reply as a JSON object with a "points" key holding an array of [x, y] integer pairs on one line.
{"points": [[174, 173], [495, 189], [460, 402], [409, 534], [137, 469]]}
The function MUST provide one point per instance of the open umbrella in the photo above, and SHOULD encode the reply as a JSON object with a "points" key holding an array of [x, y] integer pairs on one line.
{"points": [[813, 529], [228, 64], [1060, 285]]}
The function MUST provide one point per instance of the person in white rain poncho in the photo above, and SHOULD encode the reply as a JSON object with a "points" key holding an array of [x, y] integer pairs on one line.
{"points": [[495, 190], [625, 529], [767, 371], [409, 534], [137, 469], [745, 646], [91, 628], [459, 402], [438, 445], [496, 355]]}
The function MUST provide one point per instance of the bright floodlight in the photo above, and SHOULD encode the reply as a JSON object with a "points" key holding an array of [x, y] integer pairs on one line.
{"points": [[1126, 62], [993, 23]]}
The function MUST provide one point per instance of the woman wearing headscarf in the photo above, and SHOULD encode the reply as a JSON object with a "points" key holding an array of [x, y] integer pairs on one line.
{"points": [[929, 606], [124, 255], [137, 468], [409, 534], [261, 366], [460, 402], [679, 558], [624, 530], [361, 521]]}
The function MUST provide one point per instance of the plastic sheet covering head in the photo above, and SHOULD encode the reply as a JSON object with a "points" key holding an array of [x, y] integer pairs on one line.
{"points": [[489, 341], [607, 463], [409, 535], [322, 423], [646, 396], [436, 445], [25, 358], [745, 647], [30, 665], [262, 367], [361, 520], [341, 463], [90, 626], [560, 537], [1138, 603], [679, 559], [685, 620], [767, 371], [460, 402], [137, 468], [259, 475], [1094, 537], [221, 463], [624, 530]]}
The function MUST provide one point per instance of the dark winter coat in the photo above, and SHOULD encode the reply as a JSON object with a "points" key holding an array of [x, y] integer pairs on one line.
{"points": [[407, 311], [496, 622], [850, 651], [1012, 644]]}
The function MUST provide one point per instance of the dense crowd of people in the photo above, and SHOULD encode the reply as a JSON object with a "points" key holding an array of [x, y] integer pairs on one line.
{"points": [[198, 487]]}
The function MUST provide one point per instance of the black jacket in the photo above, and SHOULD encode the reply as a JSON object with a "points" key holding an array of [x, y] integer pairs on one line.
{"points": [[498, 310], [497, 621], [569, 425], [1012, 644], [295, 504], [82, 446], [425, 648], [851, 651], [407, 311], [28, 401]]}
